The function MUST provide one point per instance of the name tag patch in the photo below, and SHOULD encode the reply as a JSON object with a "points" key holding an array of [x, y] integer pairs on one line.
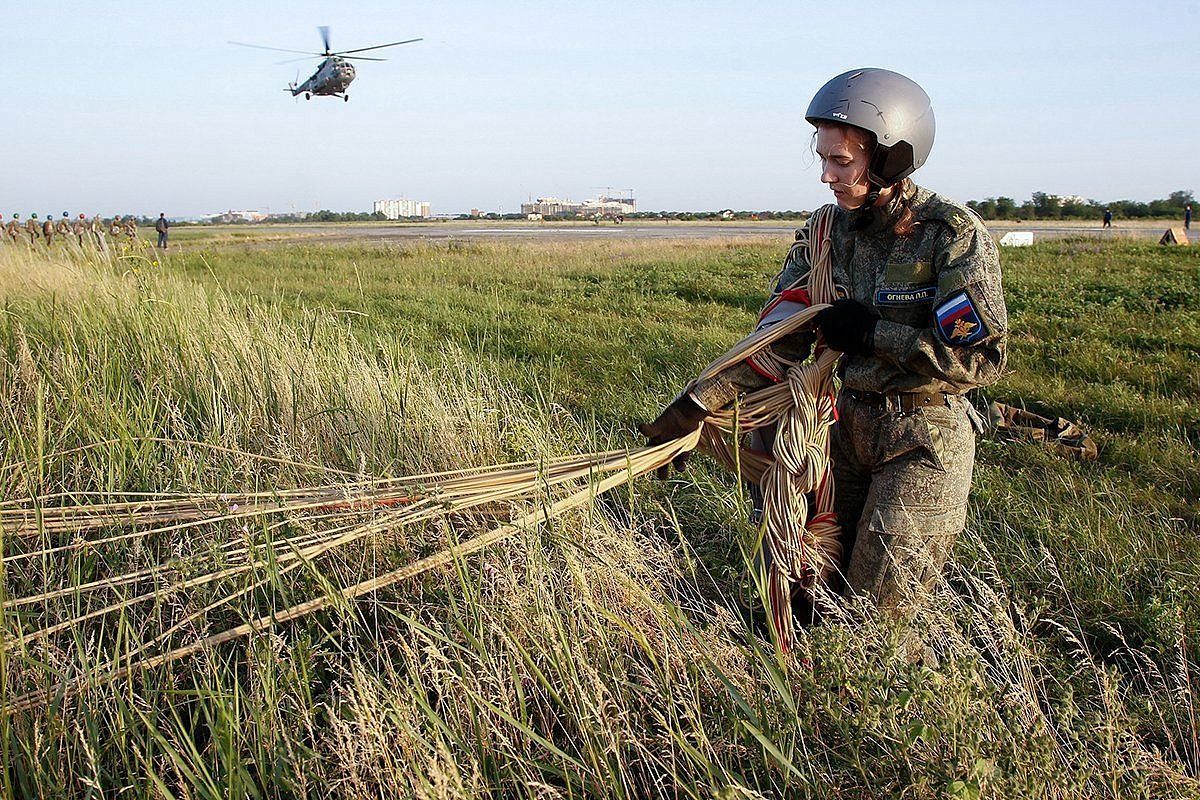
{"points": [[958, 322], [899, 297], [908, 272]]}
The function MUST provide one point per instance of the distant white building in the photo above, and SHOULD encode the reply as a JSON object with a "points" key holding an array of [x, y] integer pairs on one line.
{"points": [[396, 209], [609, 205], [236, 216], [547, 206]]}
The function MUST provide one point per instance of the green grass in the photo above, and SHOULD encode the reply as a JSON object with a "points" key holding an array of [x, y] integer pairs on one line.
{"points": [[512, 306], [598, 657]]}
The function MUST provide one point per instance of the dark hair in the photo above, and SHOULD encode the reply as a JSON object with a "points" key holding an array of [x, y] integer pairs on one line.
{"points": [[906, 223]]}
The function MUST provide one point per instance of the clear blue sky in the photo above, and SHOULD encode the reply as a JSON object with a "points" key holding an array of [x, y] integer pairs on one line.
{"points": [[143, 107]]}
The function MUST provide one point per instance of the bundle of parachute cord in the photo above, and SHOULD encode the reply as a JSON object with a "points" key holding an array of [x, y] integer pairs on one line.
{"points": [[291, 533]]}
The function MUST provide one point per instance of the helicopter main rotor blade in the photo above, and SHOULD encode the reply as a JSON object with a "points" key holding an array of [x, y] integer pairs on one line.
{"points": [[277, 49], [376, 47], [361, 58], [294, 60], [324, 29]]}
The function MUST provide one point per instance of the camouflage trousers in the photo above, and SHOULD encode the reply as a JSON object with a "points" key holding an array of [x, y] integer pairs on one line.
{"points": [[902, 481]]}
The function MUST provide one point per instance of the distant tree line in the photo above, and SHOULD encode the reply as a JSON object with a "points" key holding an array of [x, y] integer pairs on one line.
{"points": [[1048, 206], [325, 215]]}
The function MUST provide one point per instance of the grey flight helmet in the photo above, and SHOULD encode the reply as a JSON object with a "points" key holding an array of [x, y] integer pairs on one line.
{"points": [[887, 104]]}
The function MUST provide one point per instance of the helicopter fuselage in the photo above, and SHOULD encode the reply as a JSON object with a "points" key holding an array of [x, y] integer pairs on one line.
{"points": [[331, 79], [336, 73]]}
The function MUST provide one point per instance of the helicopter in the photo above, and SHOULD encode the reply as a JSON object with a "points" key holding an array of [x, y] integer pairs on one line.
{"points": [[335, 73]]}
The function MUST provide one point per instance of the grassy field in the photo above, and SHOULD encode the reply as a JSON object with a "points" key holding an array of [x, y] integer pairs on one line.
{"points": [[604, 654]]}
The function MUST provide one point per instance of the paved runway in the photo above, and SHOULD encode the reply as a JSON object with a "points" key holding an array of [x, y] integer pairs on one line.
{"points": [[659, 230]]}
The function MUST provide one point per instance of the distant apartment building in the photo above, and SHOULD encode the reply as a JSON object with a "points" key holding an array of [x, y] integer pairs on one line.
{"points": [[398, 209], [549, 205], [552, 206]]}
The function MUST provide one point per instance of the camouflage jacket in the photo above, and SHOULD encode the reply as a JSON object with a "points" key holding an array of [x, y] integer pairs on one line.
{"points": [[943, 324]]}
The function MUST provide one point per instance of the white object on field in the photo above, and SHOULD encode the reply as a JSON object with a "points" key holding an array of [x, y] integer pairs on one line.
{"points": [[1017, 239]]}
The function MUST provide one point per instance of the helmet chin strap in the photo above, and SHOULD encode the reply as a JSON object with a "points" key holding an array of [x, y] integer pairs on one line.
{"points": [[873, 190], [875, 186]]}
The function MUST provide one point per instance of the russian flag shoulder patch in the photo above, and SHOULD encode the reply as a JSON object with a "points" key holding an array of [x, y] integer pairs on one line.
{"points": [[958, 321]]}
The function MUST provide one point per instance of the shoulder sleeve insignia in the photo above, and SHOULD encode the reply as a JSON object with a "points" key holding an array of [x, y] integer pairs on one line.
{"points": [[958, 321]]}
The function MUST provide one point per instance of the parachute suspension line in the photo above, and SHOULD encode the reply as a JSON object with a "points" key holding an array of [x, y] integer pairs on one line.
{"points": [[800, 528], [549, 489]]}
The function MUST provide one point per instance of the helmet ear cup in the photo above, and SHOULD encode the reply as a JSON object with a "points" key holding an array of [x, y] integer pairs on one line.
{"points": [[891, 164]]}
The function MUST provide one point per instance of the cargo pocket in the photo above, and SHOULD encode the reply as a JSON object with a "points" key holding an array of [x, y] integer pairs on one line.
{"points": [[901, 552], [941, 422], [909, 435]]}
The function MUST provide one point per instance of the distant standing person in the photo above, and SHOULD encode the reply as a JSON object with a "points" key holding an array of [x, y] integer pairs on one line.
{"points": [[161, 226], [1187, 216], [98, 230], [1108, 218], [79, 228]]}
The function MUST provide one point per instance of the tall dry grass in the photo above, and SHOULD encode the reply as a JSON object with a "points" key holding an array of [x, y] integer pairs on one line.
{"points": [[593, 657]]}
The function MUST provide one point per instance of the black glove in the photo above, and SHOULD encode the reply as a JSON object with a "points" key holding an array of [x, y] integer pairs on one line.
{"points": [[680, 418], [848, 326]]}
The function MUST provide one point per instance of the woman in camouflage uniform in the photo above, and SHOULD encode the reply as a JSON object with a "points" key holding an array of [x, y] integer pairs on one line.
{"points": [[921, 321]]}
